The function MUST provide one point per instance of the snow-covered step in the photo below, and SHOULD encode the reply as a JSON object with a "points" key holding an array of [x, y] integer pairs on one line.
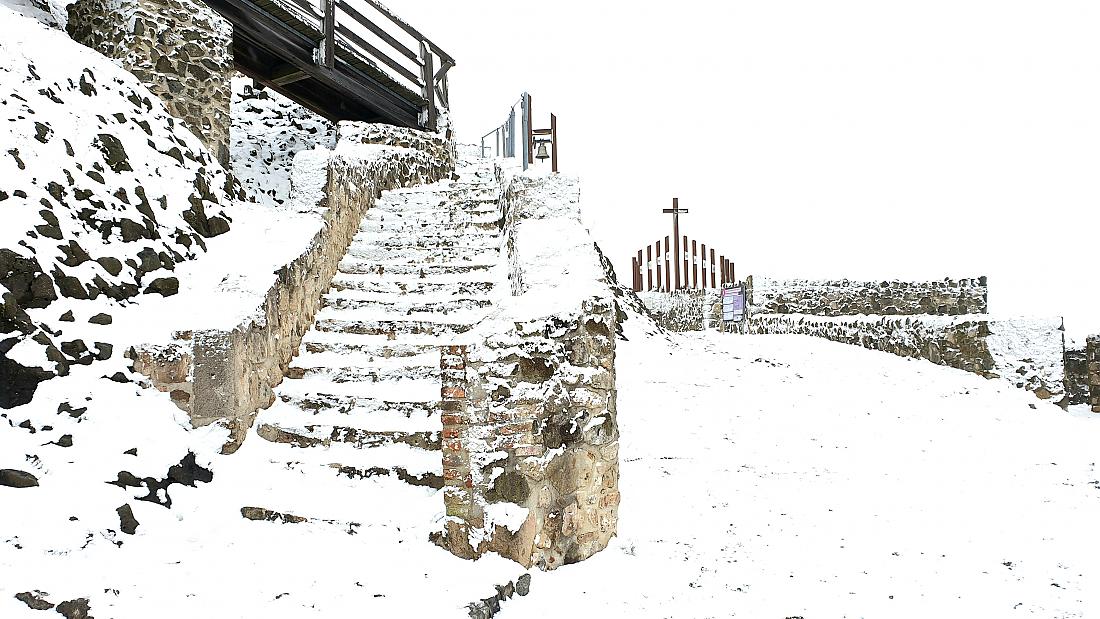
{"points": [[424, 390], [363, 374], [351, 266], [420, 254], [325, 435], [344, 283], [356, 406], [390, 327], [402, 304], [462, 224]]}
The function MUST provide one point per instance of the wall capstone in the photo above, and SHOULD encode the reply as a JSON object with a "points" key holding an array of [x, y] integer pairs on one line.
{"points": [[948, 297], [180, 49]]}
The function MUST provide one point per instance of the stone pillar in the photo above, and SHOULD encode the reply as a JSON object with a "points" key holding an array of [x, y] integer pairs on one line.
{"points": [[180, 49], [1092, 352]]}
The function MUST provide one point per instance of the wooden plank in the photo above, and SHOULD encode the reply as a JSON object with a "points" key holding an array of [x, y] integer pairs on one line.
{"points": [[301, 5], [712, 274], [402, 24], [377, 54], [668, 270], [649, 267], [328, 31], [694, 265], [553, 143], [429, 88], [288, 74], [660, 282], [684, 254], [639, 271], [703, 263], [379, 32]]}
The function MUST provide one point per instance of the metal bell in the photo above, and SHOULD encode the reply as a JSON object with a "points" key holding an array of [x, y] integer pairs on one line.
{"points": [[542, 154]]}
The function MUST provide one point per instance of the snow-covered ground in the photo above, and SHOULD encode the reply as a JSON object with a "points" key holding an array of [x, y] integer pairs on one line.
{"points": [[788, 476]]}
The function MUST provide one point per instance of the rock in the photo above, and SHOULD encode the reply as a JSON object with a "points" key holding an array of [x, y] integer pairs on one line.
{"points": [[18, 383], [103, 351], [75, 609], [126, 519], [66, 440], [111, 265], [131, 451], [35, 599], [68, 409], [118, 377], [523, 585], [166, 286], [13, 478], [100, 319], [67, 317], [113, 152]]}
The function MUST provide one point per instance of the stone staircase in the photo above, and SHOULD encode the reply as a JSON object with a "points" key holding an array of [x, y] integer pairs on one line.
{"points": [[362, 395]]}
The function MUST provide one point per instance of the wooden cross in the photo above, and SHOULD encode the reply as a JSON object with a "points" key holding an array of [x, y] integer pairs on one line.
{"points": [[676, 210]]}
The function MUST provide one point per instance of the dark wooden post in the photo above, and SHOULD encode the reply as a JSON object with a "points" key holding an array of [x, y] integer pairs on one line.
{"points": [[668, 267], [530, 133], [694, 265], [703, 262], [722, 268], [676, 238], [649, 267], [711, 266], [733, 272], [553, 143], [684, 257], [428, 75], [660, 281], [635, 275], [328, 32]]}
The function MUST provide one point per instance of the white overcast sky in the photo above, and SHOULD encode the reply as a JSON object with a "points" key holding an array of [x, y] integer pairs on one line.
{"points": [[817, 138]]}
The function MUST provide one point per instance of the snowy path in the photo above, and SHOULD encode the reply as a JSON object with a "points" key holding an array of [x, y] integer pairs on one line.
{"points": [[785, 476]]}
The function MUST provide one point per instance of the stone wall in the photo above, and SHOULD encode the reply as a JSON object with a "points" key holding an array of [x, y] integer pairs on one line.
{"points": [[234, 370], [1077, 376], [1093, 355], [530, 427], [1026, 352], [948, 297], [684, 310], [180, 49]]}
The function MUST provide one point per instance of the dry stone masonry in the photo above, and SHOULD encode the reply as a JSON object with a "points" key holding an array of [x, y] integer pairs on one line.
{"points": [[947, 297], [530, 427], [180, 49], [684, 310], [1093, 357]]}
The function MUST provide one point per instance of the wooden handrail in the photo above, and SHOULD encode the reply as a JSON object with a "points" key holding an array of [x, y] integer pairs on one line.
{"points": [[362, 20], [377, 54], [400, 23]]}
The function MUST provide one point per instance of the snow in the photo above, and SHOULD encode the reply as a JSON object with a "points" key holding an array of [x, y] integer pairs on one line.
{"points": [[784, 476]]}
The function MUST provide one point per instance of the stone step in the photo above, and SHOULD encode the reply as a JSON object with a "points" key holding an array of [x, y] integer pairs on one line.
{"points": [[388, 327], [401, 304], [351, 405], [408, 390], [324, 435], [385, 350], [351, 266], [355, 374], [382, 253], [463, 223], [344, 283]]}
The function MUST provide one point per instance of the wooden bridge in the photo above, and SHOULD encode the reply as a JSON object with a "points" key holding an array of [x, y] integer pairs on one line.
{"points": [[343, 59]]}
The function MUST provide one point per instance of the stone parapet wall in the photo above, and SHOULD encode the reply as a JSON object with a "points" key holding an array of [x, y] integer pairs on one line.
{"points": [[180, 49], [530, 435], [1077, 376], [1026, 352], [948, 297], [684, 310], [1092, 355], [235, 370]]}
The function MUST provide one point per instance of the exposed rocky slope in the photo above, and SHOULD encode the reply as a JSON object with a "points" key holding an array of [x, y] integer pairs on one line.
{"points": [[103, 194]]}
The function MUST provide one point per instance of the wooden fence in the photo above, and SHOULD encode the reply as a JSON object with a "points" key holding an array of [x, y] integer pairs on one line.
{"points": [[658, 267]]}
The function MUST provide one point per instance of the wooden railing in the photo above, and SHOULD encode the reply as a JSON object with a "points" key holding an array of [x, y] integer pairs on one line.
{"points": [[394, 47], [661, 269]]}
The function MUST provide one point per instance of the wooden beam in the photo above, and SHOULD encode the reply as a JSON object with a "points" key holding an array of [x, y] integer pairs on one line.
{"points": [[288, 74]]}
